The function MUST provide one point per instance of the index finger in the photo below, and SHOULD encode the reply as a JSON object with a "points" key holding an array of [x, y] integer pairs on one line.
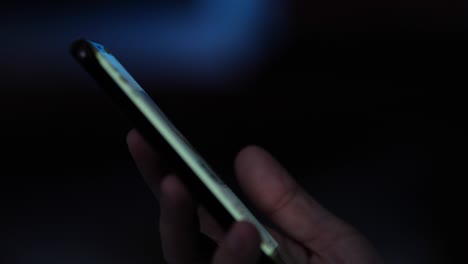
{"points": [[146, 159], [151, 167]]}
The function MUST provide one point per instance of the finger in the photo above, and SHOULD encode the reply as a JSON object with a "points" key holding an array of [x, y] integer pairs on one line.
{"points": [[148, 163], [240, 245], [146, 159], [209, 226], [290, 250], [277, 195], [178, 223]]}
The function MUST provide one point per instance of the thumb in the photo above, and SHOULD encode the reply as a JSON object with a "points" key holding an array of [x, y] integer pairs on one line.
{"points": [[276, 194]]}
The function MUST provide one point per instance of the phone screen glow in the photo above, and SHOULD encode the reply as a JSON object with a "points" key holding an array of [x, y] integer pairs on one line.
{"points": [[198, 165]]}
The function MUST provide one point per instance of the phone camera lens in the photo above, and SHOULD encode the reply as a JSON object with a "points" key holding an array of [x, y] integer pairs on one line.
{"points": [[82, 54]]}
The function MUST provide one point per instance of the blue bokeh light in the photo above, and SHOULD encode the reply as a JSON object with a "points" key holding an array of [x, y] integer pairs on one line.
{"points": [[203, 39]]}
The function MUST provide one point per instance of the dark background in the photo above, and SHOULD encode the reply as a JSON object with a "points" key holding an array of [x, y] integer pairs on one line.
{"points": [[360, 100]]}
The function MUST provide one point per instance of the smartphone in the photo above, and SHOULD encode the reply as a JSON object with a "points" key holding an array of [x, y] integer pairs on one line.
{"points": [[202, 181]]}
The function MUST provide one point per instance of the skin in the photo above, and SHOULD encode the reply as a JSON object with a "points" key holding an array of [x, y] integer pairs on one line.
{"points": [[306, 232]]}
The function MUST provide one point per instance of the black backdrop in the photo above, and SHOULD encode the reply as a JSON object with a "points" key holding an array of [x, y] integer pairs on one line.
{"points": [[362, 104]]}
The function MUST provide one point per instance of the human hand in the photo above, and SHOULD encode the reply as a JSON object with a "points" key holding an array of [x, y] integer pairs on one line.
{"points": [[307, 233]]}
